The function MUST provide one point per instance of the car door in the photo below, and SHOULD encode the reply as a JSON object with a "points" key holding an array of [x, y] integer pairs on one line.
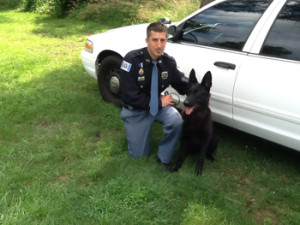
{"points": [[213, 39], [223, 72], [267, 94]]}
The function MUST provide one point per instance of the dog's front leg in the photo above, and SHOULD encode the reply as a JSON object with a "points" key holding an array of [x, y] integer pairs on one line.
{"points": [[178, 165], [200, 163], [204, 149], [182, 156], [212, 147], [199, 167]]}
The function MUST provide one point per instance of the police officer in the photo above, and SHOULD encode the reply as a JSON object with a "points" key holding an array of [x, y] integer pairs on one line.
{"points": [[145, 73]]}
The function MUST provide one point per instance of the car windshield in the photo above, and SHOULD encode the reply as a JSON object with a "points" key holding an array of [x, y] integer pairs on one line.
{"points": [[225, 25]]}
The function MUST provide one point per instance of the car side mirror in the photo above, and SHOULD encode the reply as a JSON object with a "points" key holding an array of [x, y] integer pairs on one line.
{"points": [[165, 20], [172, 32]]}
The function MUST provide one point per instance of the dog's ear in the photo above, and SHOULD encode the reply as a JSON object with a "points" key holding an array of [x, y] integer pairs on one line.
{"points": [[192, 78], [207, 80]]}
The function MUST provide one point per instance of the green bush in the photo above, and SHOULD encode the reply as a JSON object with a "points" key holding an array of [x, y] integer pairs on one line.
{"points": [[10, 4], [51, 7], [115, 12], [118, 12], [28, 5]]}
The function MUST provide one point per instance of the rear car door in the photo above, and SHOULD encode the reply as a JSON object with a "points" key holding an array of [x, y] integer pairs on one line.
{"points": [[267, 93]]}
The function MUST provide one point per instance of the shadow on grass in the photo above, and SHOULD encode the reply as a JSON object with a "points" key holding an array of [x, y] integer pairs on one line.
{"points": [[259, 147], [63, 27], [4, 19]]}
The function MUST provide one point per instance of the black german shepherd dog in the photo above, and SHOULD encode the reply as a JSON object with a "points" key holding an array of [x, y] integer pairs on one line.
{"points": [[197, 131]]}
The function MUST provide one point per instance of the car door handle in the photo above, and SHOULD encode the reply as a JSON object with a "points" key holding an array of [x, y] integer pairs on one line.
{"points": [[225, 65]]}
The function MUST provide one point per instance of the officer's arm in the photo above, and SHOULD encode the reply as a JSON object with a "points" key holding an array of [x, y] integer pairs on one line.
{"points": [[180, 82]]}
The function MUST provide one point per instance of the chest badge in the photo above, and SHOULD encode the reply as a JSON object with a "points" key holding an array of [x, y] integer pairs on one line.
{"points": [[141, 76], [141, 70], [164, 75]]}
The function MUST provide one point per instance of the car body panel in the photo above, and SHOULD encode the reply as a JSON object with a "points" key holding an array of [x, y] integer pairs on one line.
{"points": [[269, 104]]}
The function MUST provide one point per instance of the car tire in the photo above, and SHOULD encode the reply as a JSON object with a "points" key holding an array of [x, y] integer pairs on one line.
{"points": [[109, 79]]}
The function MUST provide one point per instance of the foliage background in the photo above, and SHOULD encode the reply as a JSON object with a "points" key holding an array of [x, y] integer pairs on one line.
{"points": [[134, 11]]}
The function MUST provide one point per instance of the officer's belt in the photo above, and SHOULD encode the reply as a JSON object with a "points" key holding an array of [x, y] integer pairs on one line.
{"points": [[132, 107], [128, 107]]}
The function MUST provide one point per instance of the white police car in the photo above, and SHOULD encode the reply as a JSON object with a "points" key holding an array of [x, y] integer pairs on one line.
{"points": [[252, 49]]}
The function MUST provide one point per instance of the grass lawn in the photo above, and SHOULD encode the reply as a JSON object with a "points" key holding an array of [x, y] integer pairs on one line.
{"points": [[63, 151]]}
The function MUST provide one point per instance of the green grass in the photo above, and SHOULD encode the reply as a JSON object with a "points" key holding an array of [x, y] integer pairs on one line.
{"points": [[63, 151]]}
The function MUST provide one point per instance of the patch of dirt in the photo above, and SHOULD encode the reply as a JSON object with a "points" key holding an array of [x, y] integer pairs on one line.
{"points": [[266, 216], [62, 179]]}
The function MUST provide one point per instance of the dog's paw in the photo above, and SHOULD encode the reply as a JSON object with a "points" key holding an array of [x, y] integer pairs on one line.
{"points": [[198, 173], [175, 169], [210, 157], [198, 170]]}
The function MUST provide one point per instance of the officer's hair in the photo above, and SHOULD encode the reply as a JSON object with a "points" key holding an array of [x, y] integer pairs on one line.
{"points": [[156, 27]]}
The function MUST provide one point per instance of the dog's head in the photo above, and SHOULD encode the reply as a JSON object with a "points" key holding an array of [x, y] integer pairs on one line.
{"points": [[199, 93]]}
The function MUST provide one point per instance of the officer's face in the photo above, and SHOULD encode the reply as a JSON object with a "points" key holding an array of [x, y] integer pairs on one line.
{"points": [[156, 44]]}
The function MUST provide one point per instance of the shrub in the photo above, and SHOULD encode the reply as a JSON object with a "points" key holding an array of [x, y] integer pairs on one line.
{"points": [[118, 12], [28, 5], [136, 11], [10, 4], [52, 7]]}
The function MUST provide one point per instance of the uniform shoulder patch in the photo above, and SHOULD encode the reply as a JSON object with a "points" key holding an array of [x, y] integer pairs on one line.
{"points": [[126, 66]]}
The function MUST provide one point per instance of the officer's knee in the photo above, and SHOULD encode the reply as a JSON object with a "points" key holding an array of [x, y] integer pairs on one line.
{"points": [[176, 123]]}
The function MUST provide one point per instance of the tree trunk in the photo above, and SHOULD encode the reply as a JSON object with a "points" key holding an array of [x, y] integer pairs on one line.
{"points": [[205, 2]]}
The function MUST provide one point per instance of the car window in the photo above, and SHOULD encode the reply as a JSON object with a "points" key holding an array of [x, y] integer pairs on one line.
{"points": [[225, 25], [283, 39]]}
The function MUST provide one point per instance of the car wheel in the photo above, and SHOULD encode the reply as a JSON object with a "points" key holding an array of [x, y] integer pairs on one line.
{"points": [[109, 80]]}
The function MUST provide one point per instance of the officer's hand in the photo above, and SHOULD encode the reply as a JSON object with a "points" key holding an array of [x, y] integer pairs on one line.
{"points": [[166, 100]]}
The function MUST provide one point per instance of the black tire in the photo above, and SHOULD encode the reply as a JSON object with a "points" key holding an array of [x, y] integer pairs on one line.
{"points": [[109, 79]]}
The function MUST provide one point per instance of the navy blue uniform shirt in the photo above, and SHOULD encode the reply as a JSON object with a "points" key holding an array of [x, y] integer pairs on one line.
{"points": [[136, 73]]}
